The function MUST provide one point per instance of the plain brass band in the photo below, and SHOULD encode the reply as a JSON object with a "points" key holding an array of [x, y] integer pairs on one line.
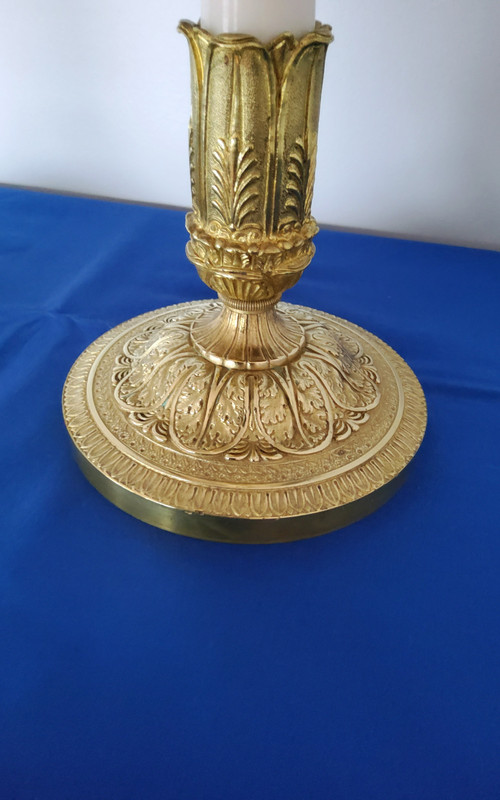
{"points": [[246, 419], [234, 529]]}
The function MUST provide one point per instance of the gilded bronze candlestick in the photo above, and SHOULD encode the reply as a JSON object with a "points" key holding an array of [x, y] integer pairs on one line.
{"points": [[243, 418]]}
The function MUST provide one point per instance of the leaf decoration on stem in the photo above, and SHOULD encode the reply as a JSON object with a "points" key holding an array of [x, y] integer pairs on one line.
{"points": [[235, 175], [299, 185]]}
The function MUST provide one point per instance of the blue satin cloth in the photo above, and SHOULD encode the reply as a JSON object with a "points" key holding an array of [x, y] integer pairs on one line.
{"points": [[141, 665]]}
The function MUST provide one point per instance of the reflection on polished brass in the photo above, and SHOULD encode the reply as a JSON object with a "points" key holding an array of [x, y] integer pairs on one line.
{"points": [[244, 418], [253, 142], [207, 450]]}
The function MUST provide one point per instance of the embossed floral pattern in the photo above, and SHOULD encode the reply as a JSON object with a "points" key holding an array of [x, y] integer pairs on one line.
{"points": [[178, 398], [252, 146]]}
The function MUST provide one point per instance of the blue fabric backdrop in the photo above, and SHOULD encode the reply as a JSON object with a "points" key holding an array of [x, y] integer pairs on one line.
{"points": [[136, 664]]}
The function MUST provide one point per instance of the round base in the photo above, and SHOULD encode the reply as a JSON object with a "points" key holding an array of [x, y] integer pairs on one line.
{"points": [[240, 456]]}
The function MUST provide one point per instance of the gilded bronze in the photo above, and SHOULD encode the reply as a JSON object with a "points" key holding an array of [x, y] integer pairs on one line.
{"points": [[253, 141], [244, 418]]}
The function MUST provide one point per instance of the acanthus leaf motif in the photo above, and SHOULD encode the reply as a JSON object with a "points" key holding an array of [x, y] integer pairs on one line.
{"points": [[299, 184], [192, 170], [179, 399], [235, 175]]}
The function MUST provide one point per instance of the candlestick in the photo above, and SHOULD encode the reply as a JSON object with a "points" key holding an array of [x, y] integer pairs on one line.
{"points": [[243, 418], [260, 18]]}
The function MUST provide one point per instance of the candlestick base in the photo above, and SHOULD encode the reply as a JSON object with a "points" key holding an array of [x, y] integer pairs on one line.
{"points": [[229, 453]]}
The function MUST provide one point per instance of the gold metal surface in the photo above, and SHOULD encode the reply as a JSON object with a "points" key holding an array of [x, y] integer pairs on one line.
{"points": [[244, 418], [253, 142], [213, 452]]}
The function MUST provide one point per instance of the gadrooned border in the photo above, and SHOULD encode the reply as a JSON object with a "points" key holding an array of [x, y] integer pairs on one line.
{"points": [[262, 503]]}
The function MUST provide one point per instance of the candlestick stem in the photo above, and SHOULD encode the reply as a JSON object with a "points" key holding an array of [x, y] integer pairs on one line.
{"points": [[244, 418]]}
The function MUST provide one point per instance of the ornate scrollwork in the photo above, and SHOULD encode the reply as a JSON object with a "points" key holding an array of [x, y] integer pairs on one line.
{"points": [[179, 398], [212, 417], [253, 140]]}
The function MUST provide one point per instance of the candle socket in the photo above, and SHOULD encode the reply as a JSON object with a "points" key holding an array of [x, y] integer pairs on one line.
{"points": [[244, 418], [253, 142]]}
